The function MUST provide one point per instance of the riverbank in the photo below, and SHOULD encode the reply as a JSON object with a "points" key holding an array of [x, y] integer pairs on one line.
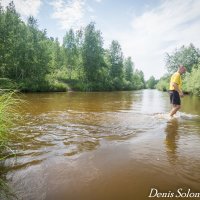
{"points": [[55, 85]]}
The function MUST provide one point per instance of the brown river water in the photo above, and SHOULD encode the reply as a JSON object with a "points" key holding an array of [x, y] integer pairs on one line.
{"points": [[105, 146]]}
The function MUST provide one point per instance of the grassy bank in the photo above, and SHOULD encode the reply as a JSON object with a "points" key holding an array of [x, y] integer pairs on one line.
{"points": [[48, 85], [8, 106], [7, 109]]}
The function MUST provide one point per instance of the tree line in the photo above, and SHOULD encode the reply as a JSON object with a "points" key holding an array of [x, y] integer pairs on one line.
{"points": [[31, 61]]}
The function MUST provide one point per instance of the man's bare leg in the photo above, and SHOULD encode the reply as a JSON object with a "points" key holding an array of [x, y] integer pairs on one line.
{"points": [[174, 110]]}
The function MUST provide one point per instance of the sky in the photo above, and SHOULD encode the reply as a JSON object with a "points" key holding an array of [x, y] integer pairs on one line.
{"points": [[145, 29]]}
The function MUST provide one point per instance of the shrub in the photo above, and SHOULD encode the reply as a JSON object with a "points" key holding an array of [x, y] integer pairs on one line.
{"points": [[6, 83], [192, 83]]}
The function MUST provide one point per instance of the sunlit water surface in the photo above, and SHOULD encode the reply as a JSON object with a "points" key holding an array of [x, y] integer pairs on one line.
{"points": [[107, 145]]}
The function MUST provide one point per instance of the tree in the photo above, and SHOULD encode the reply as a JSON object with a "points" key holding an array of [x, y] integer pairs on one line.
{"points": [[92, 53], [191, 82], [33, 58], [11, 28], [128, 65], [70, 49], [187, 56], [138, 79], [163, 83], [31, 61], [56, 55], [116, 60], [151, 82]]}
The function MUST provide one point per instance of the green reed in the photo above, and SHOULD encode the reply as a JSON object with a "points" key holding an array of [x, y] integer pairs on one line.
{"points": [[9, 104]]}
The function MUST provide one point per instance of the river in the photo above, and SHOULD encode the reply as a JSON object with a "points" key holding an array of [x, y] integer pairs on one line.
{"points": [[104, 146]]}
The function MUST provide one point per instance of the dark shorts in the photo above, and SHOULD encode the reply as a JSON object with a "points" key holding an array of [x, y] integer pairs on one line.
{"points": [[174, 97]]}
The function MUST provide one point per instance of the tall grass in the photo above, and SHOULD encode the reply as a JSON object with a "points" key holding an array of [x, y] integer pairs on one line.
{"points": [[8, 106]]}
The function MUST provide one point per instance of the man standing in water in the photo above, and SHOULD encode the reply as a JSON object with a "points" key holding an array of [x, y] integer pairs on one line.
{"points": [[175, 90]]}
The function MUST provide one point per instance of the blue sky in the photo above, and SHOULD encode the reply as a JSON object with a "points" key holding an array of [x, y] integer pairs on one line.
{"points": [[146, 29]]}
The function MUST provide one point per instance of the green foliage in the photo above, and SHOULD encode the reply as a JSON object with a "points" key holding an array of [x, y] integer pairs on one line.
{"points": [[185, 82], [138, 79], [8, 106], [54, 84], [56, 55], [30, 61], [92, 53], [116, 61], [24, 53], [163, 83], [187, 56], [6, 83], [71, 51], [11, 28], [128, 85], [151, 83], [191, 82], [37, 54], [128, 65]]}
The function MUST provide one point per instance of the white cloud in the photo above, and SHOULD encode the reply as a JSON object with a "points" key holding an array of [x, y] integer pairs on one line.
{"points": [[69, 14], [98, 1], [25, 7], [160, 30]]}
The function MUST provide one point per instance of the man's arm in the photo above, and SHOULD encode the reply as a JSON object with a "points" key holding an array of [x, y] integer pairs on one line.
{"points": [[177, 89]]}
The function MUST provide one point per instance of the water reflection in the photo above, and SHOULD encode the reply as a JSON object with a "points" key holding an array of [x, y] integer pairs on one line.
{"points": [[191, 105], [171, 140], [153, 101], [80, 102]]}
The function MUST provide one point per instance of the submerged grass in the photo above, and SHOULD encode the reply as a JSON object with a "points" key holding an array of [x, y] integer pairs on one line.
{"points": [[5, 191]]}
